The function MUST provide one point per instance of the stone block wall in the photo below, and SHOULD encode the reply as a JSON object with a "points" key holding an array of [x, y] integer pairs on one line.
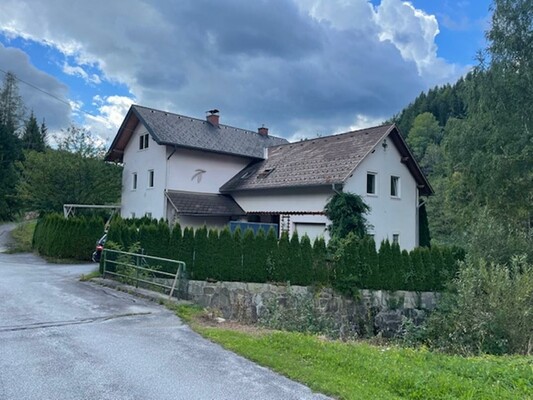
{"points": [[381, 312]]}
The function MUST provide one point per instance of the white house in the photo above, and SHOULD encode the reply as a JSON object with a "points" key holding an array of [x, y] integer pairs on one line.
{"points": [[198, 172]]}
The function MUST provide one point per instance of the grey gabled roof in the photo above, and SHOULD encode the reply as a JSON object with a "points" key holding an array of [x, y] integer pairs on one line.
{"points": [[178, 130], [322, 161], [203, 204]]}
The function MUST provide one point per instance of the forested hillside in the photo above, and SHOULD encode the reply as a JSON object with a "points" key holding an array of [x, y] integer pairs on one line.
{"points": [[474, 139]]}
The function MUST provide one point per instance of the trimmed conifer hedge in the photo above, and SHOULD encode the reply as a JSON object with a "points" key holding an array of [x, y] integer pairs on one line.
{"points": [[260, 257], [73, 238]]}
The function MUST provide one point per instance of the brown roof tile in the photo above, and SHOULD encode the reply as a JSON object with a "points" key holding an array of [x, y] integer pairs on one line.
{"points": [[321, 161]]}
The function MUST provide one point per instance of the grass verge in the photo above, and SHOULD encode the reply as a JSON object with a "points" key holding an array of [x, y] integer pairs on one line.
{"points": [[358, 370], [95, 274], [22, 237]]}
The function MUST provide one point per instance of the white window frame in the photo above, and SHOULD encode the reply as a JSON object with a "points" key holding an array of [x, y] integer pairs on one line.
{"points": [[151, 178], [134, 181], [375, 175], [144, 141], [398, 187]]}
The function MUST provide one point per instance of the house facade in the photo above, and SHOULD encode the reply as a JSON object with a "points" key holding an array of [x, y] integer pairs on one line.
{"points": [[199, 172]]}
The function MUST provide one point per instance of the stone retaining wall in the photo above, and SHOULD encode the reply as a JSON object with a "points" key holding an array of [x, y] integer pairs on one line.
{"points": [[379, 311]]}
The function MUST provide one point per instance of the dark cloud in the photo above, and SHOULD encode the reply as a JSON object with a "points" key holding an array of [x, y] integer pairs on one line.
{"points": [[57, 114], [258, 61]]}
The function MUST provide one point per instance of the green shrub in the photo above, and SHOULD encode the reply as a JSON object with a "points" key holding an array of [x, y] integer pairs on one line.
{"points": [[321, 273], [282, 261], [72, 238], [297, 313], [305, 277], [201, 259], [489, 309]]}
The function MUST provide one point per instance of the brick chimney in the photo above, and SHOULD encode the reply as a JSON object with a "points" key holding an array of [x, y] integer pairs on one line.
{"points": [[263, 131], [213, 117]]}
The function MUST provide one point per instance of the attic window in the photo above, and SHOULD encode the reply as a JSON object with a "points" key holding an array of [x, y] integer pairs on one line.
{"points": [[143, 141], [266, 172]]}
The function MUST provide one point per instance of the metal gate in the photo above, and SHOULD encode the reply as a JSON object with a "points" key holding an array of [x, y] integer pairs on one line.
{"points": [[148, 271]]}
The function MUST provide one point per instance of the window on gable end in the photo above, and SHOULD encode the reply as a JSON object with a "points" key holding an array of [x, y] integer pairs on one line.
{"points": [[143, 141], [395, 186], [371, 183]]}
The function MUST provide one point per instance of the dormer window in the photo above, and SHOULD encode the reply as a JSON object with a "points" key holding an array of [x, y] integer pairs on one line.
{"points": [[266, 172], [143, 141]]}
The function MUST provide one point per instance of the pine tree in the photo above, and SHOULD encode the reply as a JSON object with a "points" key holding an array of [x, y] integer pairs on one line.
{"points": [[11, 114], [43, 133], [12, 108], [10, 154], [32, 138]]}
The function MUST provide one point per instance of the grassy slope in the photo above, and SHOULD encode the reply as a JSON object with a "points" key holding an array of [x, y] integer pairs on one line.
{"points": [[362, 371], [22, 237]]}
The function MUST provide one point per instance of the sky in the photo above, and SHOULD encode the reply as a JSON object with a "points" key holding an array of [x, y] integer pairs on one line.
{"points": [[302, 68]]}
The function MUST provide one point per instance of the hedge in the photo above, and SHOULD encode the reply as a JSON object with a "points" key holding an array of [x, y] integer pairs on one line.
{"points": [[249, 257], [73, 238]]}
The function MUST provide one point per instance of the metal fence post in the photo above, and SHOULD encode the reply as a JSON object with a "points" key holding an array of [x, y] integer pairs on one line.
{"points": [[103, 262]]}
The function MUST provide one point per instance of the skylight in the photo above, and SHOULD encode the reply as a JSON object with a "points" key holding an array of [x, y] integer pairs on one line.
{"points": [[266, 172]]}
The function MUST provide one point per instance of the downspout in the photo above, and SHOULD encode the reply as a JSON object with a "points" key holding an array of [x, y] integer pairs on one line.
{"points": [[335, 190], [165, 200]]}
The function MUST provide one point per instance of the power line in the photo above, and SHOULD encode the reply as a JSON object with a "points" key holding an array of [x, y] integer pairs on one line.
{"points": [[49, 94]]}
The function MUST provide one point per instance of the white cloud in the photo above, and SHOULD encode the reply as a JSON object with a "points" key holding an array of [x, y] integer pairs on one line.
{"points": [[111, 112], [413, 33], [77, 70]]}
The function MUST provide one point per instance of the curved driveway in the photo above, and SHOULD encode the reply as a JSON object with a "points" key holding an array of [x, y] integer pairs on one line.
{"points": [[65, 339]]}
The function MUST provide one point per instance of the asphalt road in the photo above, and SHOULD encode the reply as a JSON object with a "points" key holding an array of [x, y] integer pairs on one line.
{"points": [[65, 339], [5, 236]]}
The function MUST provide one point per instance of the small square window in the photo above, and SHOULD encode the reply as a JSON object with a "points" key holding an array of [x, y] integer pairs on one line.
{"points": [[134, 181], [370, 183], [151, 178], [395, 186], [148, 215], [132, 215], [265, 173], [396, 238]]}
